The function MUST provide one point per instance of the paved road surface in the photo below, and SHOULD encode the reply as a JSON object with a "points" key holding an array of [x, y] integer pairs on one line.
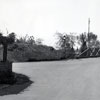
{"points": [[60, 80]]}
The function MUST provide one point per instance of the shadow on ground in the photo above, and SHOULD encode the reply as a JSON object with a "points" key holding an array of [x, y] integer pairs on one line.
{"points": [[20, 84]]}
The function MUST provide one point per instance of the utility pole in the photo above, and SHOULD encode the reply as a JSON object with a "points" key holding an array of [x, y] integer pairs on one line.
{"points": [[88, 25], [88, 31], [88, 42]]}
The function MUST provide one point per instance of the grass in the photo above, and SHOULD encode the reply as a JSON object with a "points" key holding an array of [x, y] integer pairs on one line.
{"points": [[20, 84]]}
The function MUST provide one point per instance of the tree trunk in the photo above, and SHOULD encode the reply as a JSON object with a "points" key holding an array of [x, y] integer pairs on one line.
{"points": [[4, 52]]}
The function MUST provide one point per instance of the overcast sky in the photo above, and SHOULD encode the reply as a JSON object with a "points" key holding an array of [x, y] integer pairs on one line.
{"points": [[43, 18]]}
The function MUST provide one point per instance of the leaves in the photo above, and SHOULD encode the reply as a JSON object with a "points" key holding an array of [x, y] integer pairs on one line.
{"points": [[66, 40]]}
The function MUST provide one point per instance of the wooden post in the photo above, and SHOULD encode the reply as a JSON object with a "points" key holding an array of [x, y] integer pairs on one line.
{"points": [[5, 52]]}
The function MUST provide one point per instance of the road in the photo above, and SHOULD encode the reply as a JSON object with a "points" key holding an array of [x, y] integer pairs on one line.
{"points": [[60, 80]]}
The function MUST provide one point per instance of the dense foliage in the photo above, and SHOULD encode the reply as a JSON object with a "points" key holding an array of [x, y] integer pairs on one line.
{"points": [[28, 49]]}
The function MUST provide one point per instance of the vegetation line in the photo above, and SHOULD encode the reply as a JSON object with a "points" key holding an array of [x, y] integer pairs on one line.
{"points": [[68, 46]]}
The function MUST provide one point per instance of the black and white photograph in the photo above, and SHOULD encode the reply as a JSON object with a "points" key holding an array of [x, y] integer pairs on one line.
{"points": [[49, 50]]}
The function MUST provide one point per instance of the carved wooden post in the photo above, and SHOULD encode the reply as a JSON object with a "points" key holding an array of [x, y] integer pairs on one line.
{"points": [[6, 75], [4, 43], [4, 52]]}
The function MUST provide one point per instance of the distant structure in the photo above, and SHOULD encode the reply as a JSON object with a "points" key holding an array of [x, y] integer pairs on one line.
{"points": [[89, 51]]}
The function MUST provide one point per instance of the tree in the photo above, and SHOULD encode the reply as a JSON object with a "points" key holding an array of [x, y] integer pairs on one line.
{"points": [[66, 42], [39, 41], [87, 41], [91, 39], [82, 41], [31, 40], [26, 40]]}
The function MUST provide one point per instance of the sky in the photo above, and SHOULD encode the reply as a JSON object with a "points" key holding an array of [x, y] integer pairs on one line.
{"points": [[43, 18]]}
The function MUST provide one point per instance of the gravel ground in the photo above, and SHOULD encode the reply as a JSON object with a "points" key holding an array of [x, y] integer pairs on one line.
{"points": [[60, 80]]}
